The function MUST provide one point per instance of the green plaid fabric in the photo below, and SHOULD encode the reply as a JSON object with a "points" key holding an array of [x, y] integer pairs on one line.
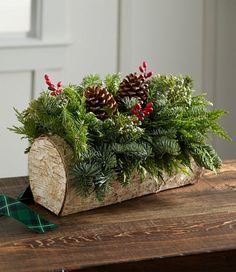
{"points": [[16, 209]]}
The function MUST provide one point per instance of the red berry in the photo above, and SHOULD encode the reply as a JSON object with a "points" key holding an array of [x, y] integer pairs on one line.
{"points": [[145, 113], [54, 90], [141, 69], [52, 87], [48, 82], [140, 117], [149, 105], [137, 107], [145, 64], [150, 110], [149, 74]]}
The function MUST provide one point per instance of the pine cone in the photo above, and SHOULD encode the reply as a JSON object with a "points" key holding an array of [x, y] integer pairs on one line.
{"points": [[133, 85], [100, 102]]}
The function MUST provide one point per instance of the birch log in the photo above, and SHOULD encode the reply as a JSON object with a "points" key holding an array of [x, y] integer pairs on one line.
{"points": [[52, 187]]}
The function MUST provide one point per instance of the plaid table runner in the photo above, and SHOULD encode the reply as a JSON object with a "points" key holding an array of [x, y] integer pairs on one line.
{"points": [[16, 209]]}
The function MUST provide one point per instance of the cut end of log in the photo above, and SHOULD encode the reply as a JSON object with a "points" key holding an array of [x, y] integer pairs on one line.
{"points": [[48, 172]]}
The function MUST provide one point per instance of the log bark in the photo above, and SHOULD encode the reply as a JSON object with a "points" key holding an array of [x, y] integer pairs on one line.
{"points": [[50, 160]]}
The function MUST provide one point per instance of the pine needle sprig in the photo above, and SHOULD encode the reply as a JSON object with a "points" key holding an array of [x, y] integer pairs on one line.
{"points": [[95, 171]]}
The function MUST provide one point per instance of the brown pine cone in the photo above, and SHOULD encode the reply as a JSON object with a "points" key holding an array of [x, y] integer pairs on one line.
{"points": [[133, 85], [100, 102]]}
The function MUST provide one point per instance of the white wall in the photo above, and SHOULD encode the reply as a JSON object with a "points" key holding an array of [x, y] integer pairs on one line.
{"points": [[225, 72], [93, 27], [167, 33], [174, 36]]}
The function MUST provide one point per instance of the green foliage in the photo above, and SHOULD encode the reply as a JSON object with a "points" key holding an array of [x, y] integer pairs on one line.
{"points": [[87, 81], [91, 81], [164, 145], [112, 82], [128, 103], [168, 140], [130, 157], [181, 123], [120, 129], [177, 89], [133, 150], [205, 156], [95, 171], [64, 115]]}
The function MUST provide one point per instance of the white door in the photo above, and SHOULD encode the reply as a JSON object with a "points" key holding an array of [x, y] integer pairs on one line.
{"points": [[30, 43]]}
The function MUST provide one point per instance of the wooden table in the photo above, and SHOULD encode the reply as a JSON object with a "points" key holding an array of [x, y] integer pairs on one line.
{"points": [[186, 229]]}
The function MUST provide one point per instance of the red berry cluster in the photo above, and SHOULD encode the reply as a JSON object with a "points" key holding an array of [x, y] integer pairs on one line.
{"points": [[55, 90], [143, 70], [140, 112]]}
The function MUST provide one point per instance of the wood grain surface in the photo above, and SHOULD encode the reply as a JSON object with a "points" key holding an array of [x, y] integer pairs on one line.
{"points": [[197, 220]]}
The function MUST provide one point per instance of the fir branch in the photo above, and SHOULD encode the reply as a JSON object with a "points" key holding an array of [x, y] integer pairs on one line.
{"points": [[95, 171], [161, 131], [88, 177], [205, 156], [137, 150], [163, 145]]}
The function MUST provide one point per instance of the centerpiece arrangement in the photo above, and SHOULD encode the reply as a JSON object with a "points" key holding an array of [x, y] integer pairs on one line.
{"points": [[105, 141]]}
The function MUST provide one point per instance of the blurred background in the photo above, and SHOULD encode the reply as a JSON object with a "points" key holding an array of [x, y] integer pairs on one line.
{"points": [[71, 38]]}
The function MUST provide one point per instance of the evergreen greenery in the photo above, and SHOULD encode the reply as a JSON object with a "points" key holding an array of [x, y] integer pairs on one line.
{"points": [[173, 135]]}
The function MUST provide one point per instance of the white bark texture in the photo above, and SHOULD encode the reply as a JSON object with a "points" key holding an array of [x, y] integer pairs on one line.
{"points": [[52, 186]]}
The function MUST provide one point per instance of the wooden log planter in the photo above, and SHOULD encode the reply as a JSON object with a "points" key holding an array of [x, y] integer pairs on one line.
{"points": [[52, 186]]}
